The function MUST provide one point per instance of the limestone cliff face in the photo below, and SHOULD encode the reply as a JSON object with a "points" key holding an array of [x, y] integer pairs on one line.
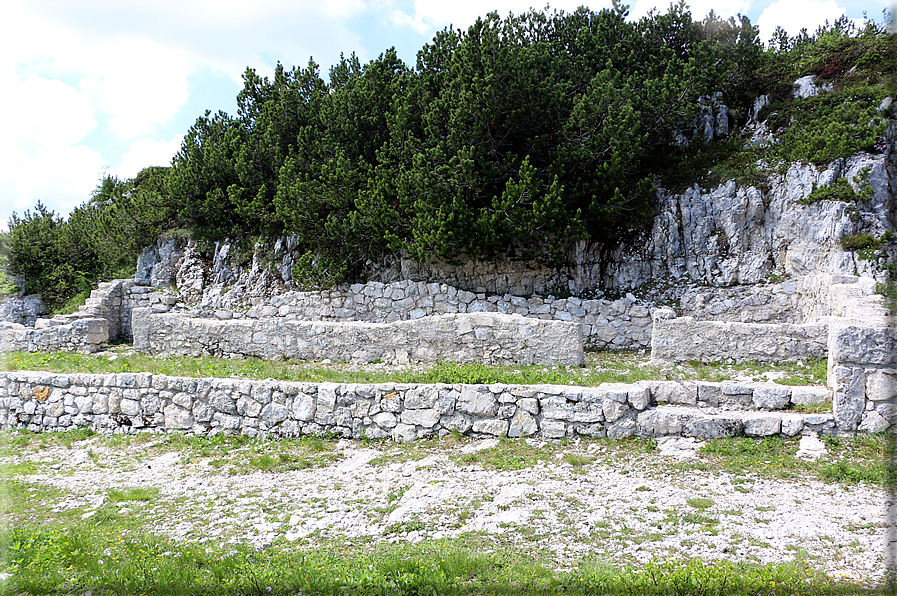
{"points": [[740, 235], [729, 235]]}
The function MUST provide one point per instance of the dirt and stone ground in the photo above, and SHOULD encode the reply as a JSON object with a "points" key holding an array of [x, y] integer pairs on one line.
{"points": [[623, 503]]}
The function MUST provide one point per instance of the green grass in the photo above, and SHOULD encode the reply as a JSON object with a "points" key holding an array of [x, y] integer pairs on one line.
{"points": [[603, 367], [508, 455], [132, 494], [700, 503], [44, 560], [849, 461]]}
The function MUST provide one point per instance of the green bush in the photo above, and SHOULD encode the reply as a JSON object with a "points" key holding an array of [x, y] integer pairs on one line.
{"points": [[859, 242], [841, 190]]}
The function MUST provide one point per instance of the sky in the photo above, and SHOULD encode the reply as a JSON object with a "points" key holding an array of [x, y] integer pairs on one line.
{"points": [[108, 87]]}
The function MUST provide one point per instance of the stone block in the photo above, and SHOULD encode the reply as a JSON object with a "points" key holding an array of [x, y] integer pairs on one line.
{"points": [[223, 402], [403, 433], [712, 427], [622, 429], [477, 400], [274, 413], [762, 425], [806, 396], [427, 418], [246, 406], [523, 424], [862, 345], [385, 419], [673, 392], [660, 422], [792, 424], [771, 397], [613, 410], [556, 408], [423, 396], [849, 398], [177, 417], [303, 407], [202, 412], [590, 412], [881, 385], [638, 398], [873, 422], [458, 422], [490, 426], [709, 393], [554, 429], [130, 407]]}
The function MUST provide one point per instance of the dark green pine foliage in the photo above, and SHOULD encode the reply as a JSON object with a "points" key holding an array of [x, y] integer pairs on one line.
{"points": [[513, 138]]}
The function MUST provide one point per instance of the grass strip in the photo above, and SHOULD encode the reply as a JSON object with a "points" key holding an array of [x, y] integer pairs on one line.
{"points": [[603, 367], [79, 558]]}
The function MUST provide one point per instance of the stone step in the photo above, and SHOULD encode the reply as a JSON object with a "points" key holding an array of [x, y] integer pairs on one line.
{"points": [[701, 423], [735, 395]]}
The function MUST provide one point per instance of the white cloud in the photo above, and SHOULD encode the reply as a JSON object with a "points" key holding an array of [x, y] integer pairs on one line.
{"points": [[698, 8], [40, 158], [430, 15], [70, 68], [794, 15], [147, 152]]}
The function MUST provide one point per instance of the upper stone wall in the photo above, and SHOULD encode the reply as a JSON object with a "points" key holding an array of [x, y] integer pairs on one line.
{"points": [[480, 337]]}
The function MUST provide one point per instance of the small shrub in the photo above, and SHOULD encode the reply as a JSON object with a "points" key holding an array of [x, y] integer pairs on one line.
{"points": [[860, 241], [842, 190]]}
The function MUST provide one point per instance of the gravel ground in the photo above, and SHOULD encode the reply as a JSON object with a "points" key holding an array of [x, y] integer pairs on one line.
{"points": [[625, 506]]}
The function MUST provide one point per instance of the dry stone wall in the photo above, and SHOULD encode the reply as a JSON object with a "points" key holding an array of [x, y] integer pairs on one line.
{"points": [[81, 335], [480, 337], [813, 302], [128, 402], [610, 324], [684, 339], [105, 316], [862, 365]]}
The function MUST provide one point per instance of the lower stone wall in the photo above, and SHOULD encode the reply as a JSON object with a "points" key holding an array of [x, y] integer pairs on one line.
{"points": [[129, 402], [684, 339], [80, 335], [481, 337]]}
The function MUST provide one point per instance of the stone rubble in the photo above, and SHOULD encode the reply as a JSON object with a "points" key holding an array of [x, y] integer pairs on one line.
{"points": [[630, 508]]}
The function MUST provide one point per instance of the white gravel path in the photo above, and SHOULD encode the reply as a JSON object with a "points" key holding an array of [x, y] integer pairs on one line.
{"points": [[623, 507]]}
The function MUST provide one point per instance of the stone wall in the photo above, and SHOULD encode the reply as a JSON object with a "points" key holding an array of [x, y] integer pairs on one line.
{"points": [[798, 331], [685, 339], [128, 402], [492, 338], [612, 324], [81, 335], [23, 310], [862, 365]]}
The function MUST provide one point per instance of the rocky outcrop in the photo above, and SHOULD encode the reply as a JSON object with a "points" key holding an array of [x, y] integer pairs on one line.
{"points": [[23, 310], [729, 235], [741, 234]]}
